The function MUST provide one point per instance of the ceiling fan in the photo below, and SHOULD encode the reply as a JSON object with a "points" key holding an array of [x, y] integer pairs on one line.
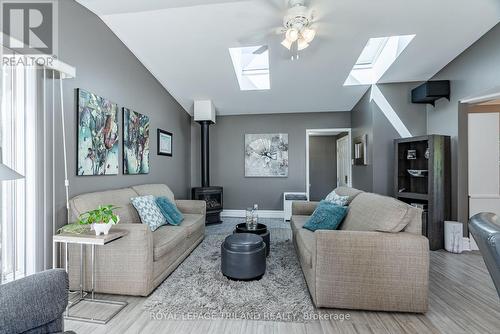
{"points": [[297, 27]]}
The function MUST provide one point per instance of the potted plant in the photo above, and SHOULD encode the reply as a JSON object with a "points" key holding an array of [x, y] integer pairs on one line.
{"points": [[100, 219]]}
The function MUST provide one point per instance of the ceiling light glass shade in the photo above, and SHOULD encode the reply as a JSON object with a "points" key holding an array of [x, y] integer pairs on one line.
{"points": [[287, 43], [292, 34], [302, 44], [308, 34]]}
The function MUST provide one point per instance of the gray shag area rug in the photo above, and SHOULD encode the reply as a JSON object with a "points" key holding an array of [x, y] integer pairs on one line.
{"points": [[197, 289]]}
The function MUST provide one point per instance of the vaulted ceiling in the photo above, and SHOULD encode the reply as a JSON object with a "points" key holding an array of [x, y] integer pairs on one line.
{"points": [[184, 43]]}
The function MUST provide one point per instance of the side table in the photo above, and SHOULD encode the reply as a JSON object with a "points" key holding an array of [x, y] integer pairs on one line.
{"points": [[260, 230], [88, 238]]}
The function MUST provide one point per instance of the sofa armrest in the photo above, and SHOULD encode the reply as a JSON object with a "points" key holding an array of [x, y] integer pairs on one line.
{"points": [[36, 301], [372, 270], [191, 206], [123, 266], [302, 208]]}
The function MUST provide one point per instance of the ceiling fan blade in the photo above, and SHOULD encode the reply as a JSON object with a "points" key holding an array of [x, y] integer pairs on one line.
{"points": [[279, 6], [259, 37], [261, 50]]}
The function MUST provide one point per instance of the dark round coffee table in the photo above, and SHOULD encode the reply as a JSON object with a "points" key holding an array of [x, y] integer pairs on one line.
{"points": [[260, 230]]}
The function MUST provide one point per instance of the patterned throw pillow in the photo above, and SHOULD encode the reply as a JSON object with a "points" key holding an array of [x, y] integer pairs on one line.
{"points": [[327, 216], [337, 199], [148, 211]]}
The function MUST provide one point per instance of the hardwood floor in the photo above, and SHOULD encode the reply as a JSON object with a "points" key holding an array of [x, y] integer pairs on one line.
{"points": [[462, 299]]}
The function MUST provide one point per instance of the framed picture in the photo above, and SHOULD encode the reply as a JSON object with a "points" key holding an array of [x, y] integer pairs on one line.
{"points": [[97, 135], [266, 155], [164, 143], [135, 142]]}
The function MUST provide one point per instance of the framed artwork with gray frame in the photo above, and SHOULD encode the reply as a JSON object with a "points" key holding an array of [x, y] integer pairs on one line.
{"points": [[164, 142], [266, 155]]}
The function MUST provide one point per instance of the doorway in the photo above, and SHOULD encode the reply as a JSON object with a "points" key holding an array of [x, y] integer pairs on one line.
{"points": [[479, 157], [328, 161]]}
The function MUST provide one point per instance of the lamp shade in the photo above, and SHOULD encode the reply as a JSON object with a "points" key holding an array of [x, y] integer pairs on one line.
{"points": [[8, 174]]}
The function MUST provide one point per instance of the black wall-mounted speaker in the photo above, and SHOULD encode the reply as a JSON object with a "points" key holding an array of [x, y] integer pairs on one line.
{"points": [[431, 91]]}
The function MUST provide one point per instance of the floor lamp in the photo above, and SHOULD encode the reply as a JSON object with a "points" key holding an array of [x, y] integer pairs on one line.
{"points": [[58, 71]]}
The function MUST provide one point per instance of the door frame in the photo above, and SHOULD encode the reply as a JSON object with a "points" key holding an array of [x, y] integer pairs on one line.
{"points": [[325, 132]]}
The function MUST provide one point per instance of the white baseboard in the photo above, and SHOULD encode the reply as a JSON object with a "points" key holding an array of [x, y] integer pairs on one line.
{"points": [[261, 213]]}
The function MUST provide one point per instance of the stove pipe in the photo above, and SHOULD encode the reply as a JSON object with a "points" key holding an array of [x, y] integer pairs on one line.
{"points": [[205, 153]]}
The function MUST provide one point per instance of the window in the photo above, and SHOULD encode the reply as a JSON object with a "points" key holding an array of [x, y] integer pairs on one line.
{"points": [[18, 140], [376, 58], [251, 65]]}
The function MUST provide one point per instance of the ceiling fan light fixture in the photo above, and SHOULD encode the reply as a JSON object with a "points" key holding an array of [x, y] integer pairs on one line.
{"points": [[292, 34], [308, 34], [302, 44], [287, 43]]}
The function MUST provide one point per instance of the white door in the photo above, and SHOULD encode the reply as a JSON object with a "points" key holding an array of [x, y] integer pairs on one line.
{"points": [[484, 168], [343, 162]]}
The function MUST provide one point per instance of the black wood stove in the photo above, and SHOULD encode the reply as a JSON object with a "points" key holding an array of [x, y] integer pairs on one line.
{"points": [[210, 194]]}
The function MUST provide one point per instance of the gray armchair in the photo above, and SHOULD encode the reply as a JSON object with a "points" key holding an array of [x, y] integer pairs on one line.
{"points": [[485, 228], [34, 304]]}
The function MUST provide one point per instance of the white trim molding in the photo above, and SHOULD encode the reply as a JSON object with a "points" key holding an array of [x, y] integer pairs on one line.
{"points": [[262, 213]]}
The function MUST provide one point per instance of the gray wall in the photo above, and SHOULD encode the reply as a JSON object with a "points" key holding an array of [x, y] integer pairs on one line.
{"points": [[367, 117], [227, 154], [473, 73], [322, 166], [106, 67], [361, 124]]}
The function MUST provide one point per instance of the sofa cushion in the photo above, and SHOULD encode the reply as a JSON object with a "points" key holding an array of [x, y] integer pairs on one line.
{"points": [[169, 210], [296, 222], [327, 216], [194, 224], [347, 191], [148, 211], [335, 198], [306, 246], [372, 212], [166, 239], [157, 190], [119, 197]]}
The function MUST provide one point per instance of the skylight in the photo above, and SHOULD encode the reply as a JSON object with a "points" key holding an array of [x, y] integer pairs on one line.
{"points": [[251, 65], [376, 58]]}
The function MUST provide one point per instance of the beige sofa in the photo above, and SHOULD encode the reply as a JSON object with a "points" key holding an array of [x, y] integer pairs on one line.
{"points": [[138, 262], [378, 260]]}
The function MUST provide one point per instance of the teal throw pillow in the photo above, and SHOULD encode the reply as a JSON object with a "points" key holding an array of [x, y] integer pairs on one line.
{"points": [[169, 211], [148, 211], [327, 216]]}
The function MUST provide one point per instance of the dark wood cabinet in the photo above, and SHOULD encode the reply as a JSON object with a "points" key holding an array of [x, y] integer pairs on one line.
{"points": [[423, 178]]}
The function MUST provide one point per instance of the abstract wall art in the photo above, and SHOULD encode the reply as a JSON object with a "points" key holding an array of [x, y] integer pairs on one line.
{"points": [[266, 155], [135, 142], [97, 135]]}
